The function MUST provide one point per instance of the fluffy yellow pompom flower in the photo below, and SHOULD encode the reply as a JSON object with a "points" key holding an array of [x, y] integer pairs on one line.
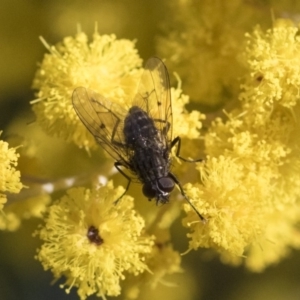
{"points": [[9, 176], [202, 41], [273, 58], [106, 65], [251, 178], [93, 242]]}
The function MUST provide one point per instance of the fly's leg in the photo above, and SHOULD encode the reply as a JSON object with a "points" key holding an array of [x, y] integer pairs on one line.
{"points": [[177, 140], [173, 177], [117, 166]]}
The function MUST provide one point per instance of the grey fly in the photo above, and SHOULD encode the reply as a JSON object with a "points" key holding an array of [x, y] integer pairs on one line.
{"points": [[139, 139]]}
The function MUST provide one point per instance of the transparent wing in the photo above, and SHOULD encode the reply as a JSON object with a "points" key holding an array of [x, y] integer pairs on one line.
{"points": [[154, 97], [103, 119]]}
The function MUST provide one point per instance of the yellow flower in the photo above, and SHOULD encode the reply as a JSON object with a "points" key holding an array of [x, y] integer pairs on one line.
{"points": [[106, 65], [202, 41], [9, 176], [273, 60], [93, 242], [234, 200], [251, 178]]}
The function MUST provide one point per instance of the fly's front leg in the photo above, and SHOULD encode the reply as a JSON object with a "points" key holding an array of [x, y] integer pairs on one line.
{"points": [[117, 166], [173, 177], [177, 140]]}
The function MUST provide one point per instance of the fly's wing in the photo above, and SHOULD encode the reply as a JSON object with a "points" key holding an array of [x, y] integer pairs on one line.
{"points": [[154, 97], [103, 119]]}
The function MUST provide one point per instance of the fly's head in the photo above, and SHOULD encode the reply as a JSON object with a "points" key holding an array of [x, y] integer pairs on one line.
{"points": [[160, 189]]}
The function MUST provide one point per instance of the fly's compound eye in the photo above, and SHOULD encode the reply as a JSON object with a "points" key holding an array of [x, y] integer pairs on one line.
{"points": [[148, 191], [166, 184]]}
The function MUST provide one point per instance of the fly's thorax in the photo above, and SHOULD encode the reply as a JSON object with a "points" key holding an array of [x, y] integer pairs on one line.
{"points": [[138, 127]]}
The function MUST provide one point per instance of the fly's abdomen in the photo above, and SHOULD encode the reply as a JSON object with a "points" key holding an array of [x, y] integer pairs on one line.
{"points": [[149, 164]]}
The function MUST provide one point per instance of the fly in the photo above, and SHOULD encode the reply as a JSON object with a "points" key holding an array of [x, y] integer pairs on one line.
{"points": [[139, 139]]}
